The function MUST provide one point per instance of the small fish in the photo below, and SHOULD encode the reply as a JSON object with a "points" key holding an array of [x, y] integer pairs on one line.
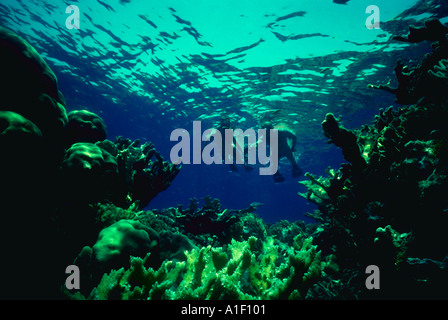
{"points": [[256, 204]]}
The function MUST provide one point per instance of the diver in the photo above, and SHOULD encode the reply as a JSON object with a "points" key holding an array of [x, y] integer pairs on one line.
{"points": [[286, 147], [225, 123]]}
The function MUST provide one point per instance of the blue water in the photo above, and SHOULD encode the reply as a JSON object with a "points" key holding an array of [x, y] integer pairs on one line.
{"points": [[150, 67]]}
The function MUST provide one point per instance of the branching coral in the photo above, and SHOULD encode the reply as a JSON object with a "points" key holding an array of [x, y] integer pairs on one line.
{"points": [[280, 262], [344, 139], [242, 270], [392, 244], [440, 70], [423, 80], [391, 209], [143, 171], [209, 224]]}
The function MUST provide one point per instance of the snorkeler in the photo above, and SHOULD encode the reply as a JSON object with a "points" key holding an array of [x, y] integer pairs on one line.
{"points": [[225, 123], [286, 146]]}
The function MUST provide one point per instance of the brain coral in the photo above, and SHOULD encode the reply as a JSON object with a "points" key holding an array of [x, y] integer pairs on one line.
{"points": [[15, 126], [20, 139], [122, 239], [29, 86], [88, 172], [85, 126]]}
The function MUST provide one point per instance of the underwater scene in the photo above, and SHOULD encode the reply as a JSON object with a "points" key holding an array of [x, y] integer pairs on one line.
{"points": [[224, 150]]}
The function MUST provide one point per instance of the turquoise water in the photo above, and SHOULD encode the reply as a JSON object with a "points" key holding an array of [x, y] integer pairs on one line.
{"points": [[149, 67]]}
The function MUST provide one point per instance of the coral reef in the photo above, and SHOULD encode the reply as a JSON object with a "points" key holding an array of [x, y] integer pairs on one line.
{"points": [[18, 135], [186, 262], [391, 211], [98, 180], [419, 82], [385, 207], [143, 171], [26, 72], [242, 270], [123, 238], [88, 172], [32, 124], [84, 126], [56, 174]]}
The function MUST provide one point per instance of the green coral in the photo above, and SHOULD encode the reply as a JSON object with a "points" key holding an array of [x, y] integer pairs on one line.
{"points": [[122, 239], [89, 172], [249, 269], [388, 205], [84, 126], [58, 182], [392, 244], [30, 87], [440, 70], [16, 129], [143, 172]]}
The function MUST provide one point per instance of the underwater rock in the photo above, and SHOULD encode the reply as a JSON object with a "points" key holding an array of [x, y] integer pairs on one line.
{"points": [[85, 126], [96, 185], [32, 122], [27, 69]]}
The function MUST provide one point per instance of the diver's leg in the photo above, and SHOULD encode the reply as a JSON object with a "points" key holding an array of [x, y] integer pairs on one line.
{"points": [[247, 166], [233, 167], [278, 177], [296, 171]]}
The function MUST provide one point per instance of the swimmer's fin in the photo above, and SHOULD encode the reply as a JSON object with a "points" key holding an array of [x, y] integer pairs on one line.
{"points": [[278, 178]]}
